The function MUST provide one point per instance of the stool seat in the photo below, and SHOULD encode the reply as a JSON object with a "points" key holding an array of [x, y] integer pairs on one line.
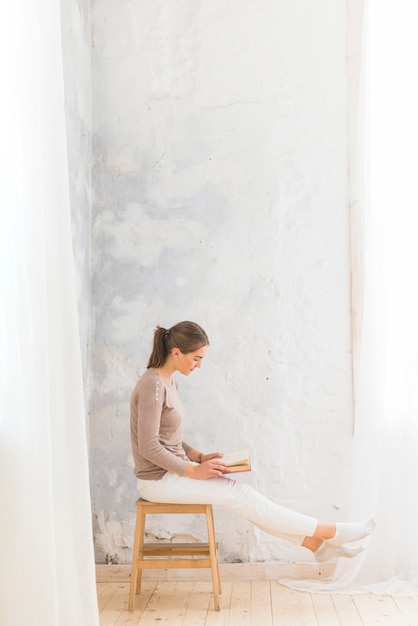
{"points": [[200, 555]]}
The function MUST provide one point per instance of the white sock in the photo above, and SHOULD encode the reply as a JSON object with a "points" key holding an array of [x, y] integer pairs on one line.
{"points": [[351, 531], [326, 552]]}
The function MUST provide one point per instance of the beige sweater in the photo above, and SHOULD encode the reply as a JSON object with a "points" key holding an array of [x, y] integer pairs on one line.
{"points": [[157, 428]]}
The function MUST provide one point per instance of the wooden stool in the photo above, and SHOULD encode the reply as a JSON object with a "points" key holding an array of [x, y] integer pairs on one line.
{"points": [[143, 552]]}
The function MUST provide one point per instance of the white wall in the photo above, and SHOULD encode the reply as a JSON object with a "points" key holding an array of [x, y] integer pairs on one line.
{"points": [[221, 196]]}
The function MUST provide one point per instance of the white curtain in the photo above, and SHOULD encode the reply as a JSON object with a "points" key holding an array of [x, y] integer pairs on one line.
{"points": [[385, 458], [47, 563]]}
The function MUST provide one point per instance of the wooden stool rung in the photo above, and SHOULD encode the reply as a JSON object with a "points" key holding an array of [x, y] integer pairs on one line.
{"points": [[177, 564], [156, 549]]}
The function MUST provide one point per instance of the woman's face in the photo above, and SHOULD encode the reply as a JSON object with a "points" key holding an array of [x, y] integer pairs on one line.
{"points": [[186, 363]]}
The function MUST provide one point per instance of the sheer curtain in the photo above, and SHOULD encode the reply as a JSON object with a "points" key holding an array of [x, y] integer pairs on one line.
{"points": [[387, 373], [47, 564], [385, 458]]}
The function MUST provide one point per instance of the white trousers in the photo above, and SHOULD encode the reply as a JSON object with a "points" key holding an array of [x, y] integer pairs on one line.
{"points": [[233, 496]]}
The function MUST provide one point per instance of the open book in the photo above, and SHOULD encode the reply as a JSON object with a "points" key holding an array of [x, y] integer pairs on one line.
{"points": [[237, 461]]}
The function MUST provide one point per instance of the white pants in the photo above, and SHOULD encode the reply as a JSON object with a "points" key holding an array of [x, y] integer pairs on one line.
{"points": [[232, 496]]}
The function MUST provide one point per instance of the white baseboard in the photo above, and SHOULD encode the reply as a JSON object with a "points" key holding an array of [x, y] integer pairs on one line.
{"points": [[228, 571]]}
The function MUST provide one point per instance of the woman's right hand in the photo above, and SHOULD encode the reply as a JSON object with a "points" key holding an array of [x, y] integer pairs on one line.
{"points": [[211, 468]]}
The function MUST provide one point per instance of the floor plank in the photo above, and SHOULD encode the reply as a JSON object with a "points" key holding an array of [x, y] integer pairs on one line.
{"points": [[346, 610], [375, 609], [117, 603], [239, 608], [198, 607], [220, 618], [104, 592], [248, 603], [168, 604], [292, 608], [408, 606], [132, 618], [326, 614], [260, 607]]}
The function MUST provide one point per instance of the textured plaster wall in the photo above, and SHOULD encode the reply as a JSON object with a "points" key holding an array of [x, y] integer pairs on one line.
{"points": [[76, 43], [221, 196]]}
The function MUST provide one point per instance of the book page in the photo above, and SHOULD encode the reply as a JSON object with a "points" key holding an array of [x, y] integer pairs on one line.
{"points": [[235, 457]]}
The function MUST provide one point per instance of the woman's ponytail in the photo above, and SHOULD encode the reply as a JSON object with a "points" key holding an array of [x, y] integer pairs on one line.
{"points": [[160, 349], [186, 336]]}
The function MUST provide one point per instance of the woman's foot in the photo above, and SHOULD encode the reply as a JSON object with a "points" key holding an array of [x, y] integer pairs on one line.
{"points": [[346, 532], [326, 552]]}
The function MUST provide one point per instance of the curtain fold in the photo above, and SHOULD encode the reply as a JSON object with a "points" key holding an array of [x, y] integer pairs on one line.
{"points": [[385, 458], [47, 567]]}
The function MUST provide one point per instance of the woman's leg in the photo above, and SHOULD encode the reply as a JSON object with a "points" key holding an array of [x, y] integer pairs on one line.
{"points": [[233, 496], [325, 539]]}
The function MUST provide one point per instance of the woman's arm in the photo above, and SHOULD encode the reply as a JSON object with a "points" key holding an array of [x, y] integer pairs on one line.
{"points": [[193, 454], [149, 405], [200, 457], [209, 465]]}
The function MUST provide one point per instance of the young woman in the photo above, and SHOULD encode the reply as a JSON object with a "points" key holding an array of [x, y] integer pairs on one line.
{"points": [[170, 470]]}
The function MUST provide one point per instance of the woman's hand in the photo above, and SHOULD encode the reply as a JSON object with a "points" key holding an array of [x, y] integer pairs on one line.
{"points": [[210, 467], [212, 455]]}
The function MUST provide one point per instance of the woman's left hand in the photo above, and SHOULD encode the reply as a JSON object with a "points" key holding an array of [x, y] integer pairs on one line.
{"points": [[212, 455]]}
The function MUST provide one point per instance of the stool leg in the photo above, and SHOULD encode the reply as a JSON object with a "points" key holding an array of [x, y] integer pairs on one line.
{"points": [[140, 550], [138, 546], [213, 557]]}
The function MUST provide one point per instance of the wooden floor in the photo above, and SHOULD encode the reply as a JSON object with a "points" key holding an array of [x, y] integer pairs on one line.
{"points": [[247, 603]]}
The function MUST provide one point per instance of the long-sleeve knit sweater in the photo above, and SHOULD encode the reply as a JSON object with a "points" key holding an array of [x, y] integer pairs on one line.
{"points": [[157, 428]]}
